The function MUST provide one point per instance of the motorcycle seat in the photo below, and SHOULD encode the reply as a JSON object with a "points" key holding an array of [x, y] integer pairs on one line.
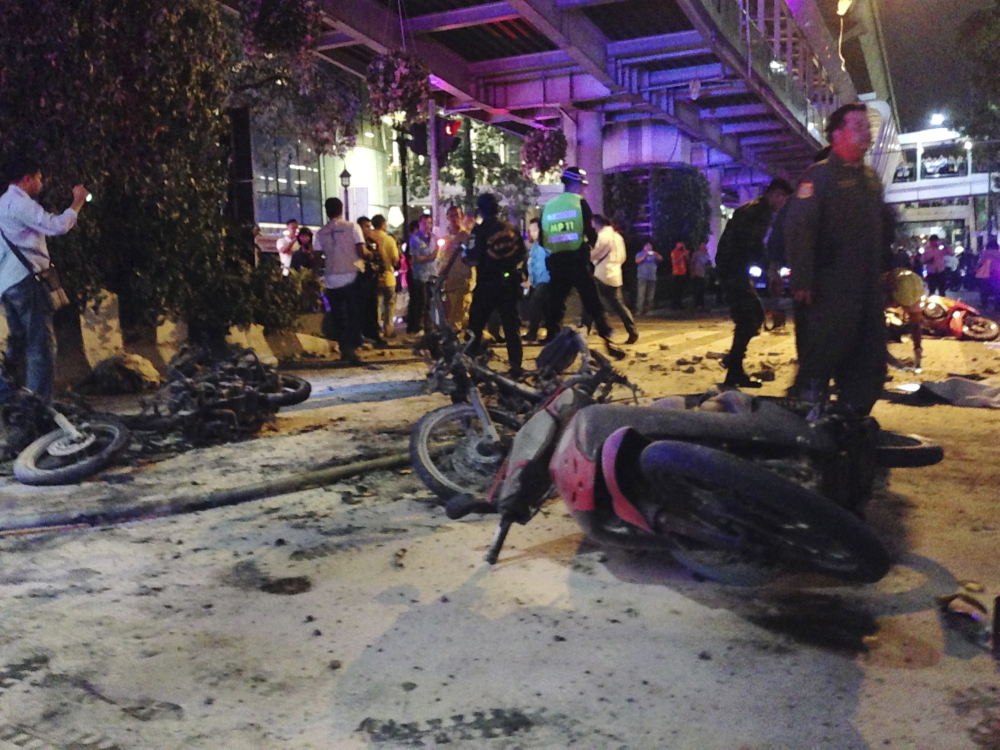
{"points": [[764, 423]]}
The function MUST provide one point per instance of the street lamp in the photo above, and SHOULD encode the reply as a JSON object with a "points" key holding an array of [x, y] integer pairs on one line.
{"points": [[937, 119], [345, 181]]}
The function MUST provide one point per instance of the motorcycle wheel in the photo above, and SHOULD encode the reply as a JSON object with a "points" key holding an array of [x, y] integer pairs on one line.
{"points": [[453, 454], [978, 328], [754, 518], [54, 459], [895, 451], [294, 390]]}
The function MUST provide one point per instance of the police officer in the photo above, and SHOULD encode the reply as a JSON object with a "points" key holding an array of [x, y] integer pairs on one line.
{"points": [[498, 252], [741, 244], [567, 227], [835, 244]]}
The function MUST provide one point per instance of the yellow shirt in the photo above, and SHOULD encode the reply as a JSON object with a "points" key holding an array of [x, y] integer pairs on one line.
{"points": [[390, 256]]}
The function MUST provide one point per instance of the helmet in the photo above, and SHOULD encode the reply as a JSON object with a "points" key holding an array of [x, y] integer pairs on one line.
{"points": [[574, 174], [907, 287]]}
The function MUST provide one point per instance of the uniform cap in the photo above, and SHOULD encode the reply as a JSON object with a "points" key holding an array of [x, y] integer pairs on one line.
{"points": [[575, 174], [907, 287]]}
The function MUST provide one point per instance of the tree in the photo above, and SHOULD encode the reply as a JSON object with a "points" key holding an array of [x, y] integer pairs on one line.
{"points": [[129, 97]]}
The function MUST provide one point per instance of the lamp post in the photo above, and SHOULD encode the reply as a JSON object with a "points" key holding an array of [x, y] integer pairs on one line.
{"points": [[345, 181]]}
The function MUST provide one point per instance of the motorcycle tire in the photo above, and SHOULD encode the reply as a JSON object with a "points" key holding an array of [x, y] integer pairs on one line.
{"points": [[294, 390], [35, 465], [978, 328], [452, 455], [760, 518], [896, 451]]}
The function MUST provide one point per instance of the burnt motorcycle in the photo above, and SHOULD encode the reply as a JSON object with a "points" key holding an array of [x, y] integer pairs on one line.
{"points": [[736, 488]]}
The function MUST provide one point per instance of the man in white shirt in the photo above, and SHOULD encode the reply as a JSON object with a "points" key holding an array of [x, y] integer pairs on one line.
{"points": [[287, 244], [608, 255], [31, 343], [343, 245]]}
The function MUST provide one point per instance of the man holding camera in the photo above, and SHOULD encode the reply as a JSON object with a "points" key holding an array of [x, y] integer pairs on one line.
{"points": [[31, 343]]}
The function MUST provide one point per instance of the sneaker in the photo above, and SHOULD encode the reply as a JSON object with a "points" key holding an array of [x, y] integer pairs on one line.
{"points": [[516, 372], [613, 351], [632, 338], [741, 380], [381, 344], [351, 359]]}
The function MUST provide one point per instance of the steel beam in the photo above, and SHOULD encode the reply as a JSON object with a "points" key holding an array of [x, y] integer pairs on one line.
{"points": [[373, 25], [656, 43], [660, 78], [584, 3], [757, 126], [461, 18], [739, 110], [521, 64], [572, 32], [761, 140], [335, 39]]}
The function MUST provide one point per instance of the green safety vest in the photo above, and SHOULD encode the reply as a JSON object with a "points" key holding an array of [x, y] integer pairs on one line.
{"points": [[562, 222]]}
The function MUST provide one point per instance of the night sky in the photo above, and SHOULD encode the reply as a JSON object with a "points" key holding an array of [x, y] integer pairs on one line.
{"points": [[925, 62]]}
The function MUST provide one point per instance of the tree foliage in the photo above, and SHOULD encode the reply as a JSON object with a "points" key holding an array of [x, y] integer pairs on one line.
{"points": [[676, 202], [129, 97], [980, 35], [485, 161]]}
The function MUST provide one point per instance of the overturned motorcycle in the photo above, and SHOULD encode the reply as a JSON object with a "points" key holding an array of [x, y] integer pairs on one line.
{"points": [[736, 488]]}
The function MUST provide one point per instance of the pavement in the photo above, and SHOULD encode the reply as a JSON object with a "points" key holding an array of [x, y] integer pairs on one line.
{"points": [[358, 616]]}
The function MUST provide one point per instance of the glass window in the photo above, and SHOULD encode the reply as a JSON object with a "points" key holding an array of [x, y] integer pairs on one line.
{"points": [[287, 182]]}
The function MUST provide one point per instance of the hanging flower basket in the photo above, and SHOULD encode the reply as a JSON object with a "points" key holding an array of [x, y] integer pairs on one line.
{"points": [[543, 150], [280, 26], [399, 86]]}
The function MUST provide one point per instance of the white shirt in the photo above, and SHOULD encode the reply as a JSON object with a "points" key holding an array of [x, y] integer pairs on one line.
{"points": [[27, 224], [608, 255], [338, 240]]}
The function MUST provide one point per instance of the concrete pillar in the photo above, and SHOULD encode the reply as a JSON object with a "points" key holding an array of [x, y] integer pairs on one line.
{"points": [[569, 130], [714, 177], [590, 156]]}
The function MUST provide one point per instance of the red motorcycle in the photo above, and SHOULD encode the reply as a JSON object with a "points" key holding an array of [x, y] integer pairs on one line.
{"points": [[944, 316], [735, 488]]}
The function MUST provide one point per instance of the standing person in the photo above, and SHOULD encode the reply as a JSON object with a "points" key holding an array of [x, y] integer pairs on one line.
{"points": [[343, 246], [937, 268], [305, 256], [608, 255], [700, 262], [497, 250], [423, 265], [461, 279], [538, 278], [835, 242], [646, 263], [385, 246], [287, 244], [566, 223], [678, 274], [368, 283], [741, 244], [31, 341]]}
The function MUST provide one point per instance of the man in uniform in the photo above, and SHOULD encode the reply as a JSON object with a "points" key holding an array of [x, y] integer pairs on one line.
{"points": [[569, 237], [741, 244], [497, 251], [835, 243]]}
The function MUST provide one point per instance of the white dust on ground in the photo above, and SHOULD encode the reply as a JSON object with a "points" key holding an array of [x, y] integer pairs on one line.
{"points": [[163, 634]]}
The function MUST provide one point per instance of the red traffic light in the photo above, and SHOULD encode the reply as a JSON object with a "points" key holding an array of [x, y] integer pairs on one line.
{"points": [[451, 127]]}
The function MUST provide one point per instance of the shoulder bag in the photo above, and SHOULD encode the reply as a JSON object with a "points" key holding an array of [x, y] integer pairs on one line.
{"points": [[48, 278]]}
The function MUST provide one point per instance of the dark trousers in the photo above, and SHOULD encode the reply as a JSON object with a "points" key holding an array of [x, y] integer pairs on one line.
{"points": [[698, 289], [31, 341], [937, 283], [537, 302], [842, 338], [678, 285], [368, 306], [748, 316], [343, 322], [418, 313], [611, 298], [501, 296], [568, 270]]}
